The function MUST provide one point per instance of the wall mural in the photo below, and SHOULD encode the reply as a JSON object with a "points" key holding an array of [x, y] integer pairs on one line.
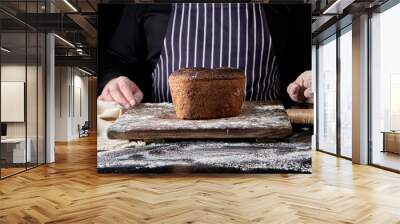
{"points": [[205, 87]]}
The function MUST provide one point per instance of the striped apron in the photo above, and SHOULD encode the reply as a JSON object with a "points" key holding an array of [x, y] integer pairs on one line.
{"points": [[213, 35]]}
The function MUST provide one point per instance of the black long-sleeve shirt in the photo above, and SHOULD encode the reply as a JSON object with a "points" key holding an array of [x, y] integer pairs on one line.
{"points": [[136, 45]]}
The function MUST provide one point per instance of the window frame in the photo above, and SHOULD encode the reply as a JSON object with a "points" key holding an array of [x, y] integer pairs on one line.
{"points": [[333, 37], [25, 30], [378, 10]]}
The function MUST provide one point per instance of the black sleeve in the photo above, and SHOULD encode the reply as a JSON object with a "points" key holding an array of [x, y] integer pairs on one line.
{"points": [[135, 46], [125, 49], [290, 27]]}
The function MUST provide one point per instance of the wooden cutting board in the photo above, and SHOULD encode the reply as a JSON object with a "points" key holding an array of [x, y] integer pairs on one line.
{"points": [[149, 121]]}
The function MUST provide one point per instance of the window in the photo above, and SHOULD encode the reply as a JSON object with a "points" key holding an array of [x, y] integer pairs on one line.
{"points": [[385, 89], [22, 78], [333, 106], [346, 92], [327, 96]]}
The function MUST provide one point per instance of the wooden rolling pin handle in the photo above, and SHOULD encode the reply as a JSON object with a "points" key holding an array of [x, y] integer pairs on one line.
{"points": [[301, 116]]}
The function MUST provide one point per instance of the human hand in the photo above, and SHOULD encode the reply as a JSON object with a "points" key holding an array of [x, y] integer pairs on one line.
{"points": [[300, 90], [122, 91]]}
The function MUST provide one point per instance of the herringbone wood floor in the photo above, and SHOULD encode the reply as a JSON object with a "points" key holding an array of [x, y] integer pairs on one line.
{"points": [[71, 191]]}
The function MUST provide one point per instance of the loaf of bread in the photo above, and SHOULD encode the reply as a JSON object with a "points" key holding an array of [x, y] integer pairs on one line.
{"points": [[201, 93]]}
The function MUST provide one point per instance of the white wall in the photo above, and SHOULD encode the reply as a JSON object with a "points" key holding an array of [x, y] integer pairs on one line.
{"points": [[33, 127], [80, 102], [11, 73], [70, 109], [17, 72], [61, 103]]}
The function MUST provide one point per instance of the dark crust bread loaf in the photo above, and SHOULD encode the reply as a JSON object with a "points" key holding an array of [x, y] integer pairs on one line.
{"points": [[200, 93], [207, 74]]}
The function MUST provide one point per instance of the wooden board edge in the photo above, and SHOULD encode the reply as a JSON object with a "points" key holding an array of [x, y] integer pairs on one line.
{"points": [[271, 133]]}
